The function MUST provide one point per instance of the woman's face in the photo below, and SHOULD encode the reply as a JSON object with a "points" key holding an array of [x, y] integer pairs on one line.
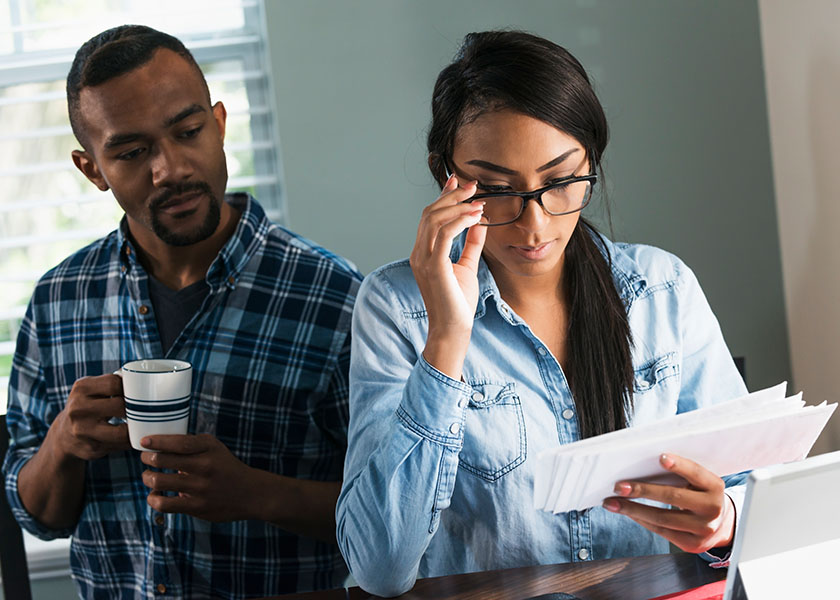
{"points": [[508, 150]]}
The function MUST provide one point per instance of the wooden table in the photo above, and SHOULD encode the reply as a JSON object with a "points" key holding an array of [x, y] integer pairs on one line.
{"points": [[637, 578]]}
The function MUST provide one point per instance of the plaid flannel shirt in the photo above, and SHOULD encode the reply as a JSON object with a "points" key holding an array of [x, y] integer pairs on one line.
{"points": [[270, 350]]}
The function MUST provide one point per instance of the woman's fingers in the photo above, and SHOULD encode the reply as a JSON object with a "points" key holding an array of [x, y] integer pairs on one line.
{"points": [[698, 476], [450, 206], [473, 245], [450, 229], [705, 517]]}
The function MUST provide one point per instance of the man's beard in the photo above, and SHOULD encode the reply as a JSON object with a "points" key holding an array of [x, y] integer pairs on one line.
{"points": [[200, 233]]}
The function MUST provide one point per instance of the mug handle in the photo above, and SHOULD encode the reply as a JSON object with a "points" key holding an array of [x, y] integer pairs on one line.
{"points": [[117, 420]]}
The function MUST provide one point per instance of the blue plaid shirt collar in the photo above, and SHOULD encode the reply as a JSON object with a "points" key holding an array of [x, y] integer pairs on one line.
{"points": [[225, 269]]}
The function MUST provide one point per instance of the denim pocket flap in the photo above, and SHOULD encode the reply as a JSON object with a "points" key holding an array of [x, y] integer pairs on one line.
{"points": [[655, 371], [486, 394]]}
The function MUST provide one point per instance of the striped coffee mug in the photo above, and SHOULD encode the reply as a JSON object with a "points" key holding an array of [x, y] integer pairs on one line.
{"points": [[157, 397]]}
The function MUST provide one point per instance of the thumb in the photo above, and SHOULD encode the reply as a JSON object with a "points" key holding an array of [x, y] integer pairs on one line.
{"points": [[473, 245]]}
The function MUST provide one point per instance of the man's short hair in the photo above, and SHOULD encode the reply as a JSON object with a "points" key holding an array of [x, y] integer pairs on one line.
{"points": [[112, 53]]}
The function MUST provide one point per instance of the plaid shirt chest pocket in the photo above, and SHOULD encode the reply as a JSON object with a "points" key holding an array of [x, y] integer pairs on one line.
{"points": [[494, 431]]}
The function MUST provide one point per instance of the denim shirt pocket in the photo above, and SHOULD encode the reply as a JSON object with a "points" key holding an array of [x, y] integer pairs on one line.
{"points": [[653, 372], [494, 431]]}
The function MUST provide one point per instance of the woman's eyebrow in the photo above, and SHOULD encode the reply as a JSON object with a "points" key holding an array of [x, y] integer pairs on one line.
{"points": [[504, 170], [492, 167], [557, 161]]}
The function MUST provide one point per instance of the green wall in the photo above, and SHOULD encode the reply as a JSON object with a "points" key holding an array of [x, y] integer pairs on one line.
{"points": [[55, 588], [688, 165]]}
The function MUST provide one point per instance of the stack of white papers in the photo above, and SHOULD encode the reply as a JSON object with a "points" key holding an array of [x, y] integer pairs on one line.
{"points": [[757, 430]]}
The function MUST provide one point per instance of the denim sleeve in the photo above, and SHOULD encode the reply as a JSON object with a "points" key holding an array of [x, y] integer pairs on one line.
{"points": [[709, 374], [405, 435], [28, 419]]}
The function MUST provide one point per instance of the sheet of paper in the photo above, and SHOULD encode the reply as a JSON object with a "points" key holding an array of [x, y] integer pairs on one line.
{"points": [[757, 430]]}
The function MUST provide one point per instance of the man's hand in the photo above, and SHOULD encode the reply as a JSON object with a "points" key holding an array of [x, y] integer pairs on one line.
{"points": [[51, 483], [702, 517], [82, 429], [210, 482]]}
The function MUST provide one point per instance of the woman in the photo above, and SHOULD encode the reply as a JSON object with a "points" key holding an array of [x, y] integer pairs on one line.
{"points": [[528, 331]]}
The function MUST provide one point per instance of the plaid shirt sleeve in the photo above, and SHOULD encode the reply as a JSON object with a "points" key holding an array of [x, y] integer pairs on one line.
{"points": [[28, 420], [331, 412]]}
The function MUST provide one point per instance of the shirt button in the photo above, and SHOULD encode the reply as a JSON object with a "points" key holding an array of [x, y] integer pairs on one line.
{"points": [[568, 414], [161, 588], [454, 428], [477, 396], [583, 554], [143, 309], [462, 403], [542, 351], [159, 520]]}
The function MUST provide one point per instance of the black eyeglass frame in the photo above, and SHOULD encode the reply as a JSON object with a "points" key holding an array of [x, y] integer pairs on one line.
{"points": [[592, 178]]}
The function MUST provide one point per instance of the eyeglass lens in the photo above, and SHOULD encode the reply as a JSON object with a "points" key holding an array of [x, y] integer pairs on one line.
{"points": [[562, 199]]}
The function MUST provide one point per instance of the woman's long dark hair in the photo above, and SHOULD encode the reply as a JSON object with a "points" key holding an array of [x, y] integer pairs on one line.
{"points": [[518, 71]]}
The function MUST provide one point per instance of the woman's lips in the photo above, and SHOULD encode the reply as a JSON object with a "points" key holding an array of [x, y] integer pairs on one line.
{"points": [[534, 252]]}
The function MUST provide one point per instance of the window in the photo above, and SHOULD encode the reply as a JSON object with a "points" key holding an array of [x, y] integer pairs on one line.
{"points": [[47, 208]]}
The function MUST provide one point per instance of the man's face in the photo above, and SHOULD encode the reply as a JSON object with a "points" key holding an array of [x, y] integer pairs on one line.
{"points": [[157, 144]]}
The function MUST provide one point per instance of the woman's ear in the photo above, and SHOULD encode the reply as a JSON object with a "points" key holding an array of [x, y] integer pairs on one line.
{"points": [[436, 167]]}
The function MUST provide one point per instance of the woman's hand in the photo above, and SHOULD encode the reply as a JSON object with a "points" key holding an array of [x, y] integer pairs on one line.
{"points": [[702, 517], [450, 291]]}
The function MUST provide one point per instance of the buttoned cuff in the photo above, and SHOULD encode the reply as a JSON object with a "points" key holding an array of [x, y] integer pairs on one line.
{"points": [[434, 405], [22, 516]]}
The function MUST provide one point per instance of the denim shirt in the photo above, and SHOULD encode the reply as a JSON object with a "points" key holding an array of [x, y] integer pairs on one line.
{"points": [[439, 473]]}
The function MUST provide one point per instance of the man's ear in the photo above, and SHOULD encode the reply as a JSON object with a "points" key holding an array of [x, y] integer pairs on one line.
{"points": [[85, 163], [220, 116]]}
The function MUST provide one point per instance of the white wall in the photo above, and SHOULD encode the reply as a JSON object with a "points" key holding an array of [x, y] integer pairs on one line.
{"points": [[801, 44]]}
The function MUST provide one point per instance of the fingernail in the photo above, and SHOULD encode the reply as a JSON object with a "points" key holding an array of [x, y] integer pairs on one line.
{"points": [[612, 505], [146, 442], [623, 489], [666, 461]]}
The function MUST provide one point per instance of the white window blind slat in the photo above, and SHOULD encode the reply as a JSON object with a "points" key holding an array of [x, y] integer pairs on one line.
{"points": [[136, 16], [15, 312]]}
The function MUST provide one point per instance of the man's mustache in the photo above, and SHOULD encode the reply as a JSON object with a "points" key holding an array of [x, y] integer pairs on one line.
{"points": [[179, 190]]}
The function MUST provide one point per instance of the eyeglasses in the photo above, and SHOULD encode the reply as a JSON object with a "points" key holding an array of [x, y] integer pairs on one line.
{"points": [[564, 196]]}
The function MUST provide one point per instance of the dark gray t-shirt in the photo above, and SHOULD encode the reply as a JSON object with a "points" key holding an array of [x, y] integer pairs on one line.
{"points": [[174, 309]]}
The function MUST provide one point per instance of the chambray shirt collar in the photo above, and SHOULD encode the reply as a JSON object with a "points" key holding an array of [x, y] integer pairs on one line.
{"points": [[630, 281], [226, 268], [487, 288]]}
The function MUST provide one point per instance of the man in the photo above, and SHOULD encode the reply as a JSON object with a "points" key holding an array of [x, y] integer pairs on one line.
{"points": [[244, 505]]}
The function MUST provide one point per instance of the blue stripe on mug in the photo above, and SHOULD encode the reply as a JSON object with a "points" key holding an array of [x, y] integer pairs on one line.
{"points": [[158, 401], [163, 413], [159, 418], [167, 406]]}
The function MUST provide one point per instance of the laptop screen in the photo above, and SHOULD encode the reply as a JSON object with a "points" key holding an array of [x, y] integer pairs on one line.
{"points": [[789, 531]]}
